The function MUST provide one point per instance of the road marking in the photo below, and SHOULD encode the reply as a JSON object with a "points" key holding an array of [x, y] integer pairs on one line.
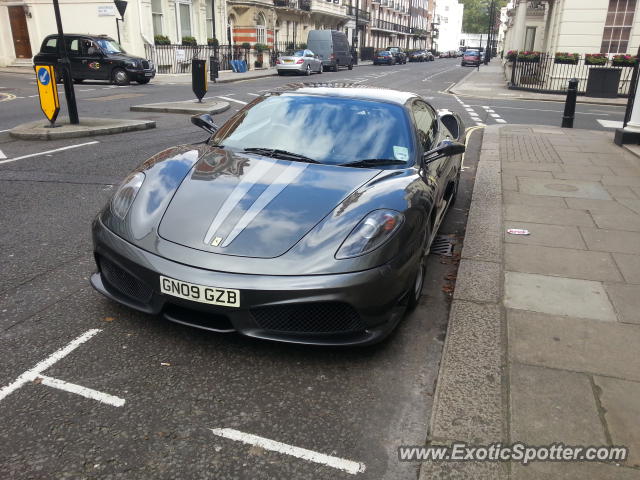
{"points": [[501, 120], [232, 100], [316, 457], [55, 357], [254, 94], [32, 96], [494, 115], [87, 90], [2, 155], [2, 131], [68, 147], [83, 391], [610, 123]]}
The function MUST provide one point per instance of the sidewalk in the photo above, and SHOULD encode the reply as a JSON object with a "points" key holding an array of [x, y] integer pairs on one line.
{"points": [[490, 82], [543, 339]]}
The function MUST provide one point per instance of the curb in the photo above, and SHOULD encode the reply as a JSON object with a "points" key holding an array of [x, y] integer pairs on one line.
{"points": [[211, 108], [88, 127], [470, 400]]}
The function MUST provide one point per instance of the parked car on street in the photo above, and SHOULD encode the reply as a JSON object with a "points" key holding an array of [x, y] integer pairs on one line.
{"points": [[416, 56], [332, 47], [96, 57], [399, 54], [302, 62], [470, 57], [429, 56], [384, 57], [306, 218]]}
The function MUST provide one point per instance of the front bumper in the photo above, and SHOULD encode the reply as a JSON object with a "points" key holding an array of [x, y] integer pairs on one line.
{"points": [[341, 309], [139, 73], [291, 67]]}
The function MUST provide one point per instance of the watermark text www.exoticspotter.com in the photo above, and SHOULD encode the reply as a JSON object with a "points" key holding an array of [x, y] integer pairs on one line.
{"points": [[516, 452]]}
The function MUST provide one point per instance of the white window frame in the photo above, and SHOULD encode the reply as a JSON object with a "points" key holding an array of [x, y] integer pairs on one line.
{"points": [[160, 15], [178, 19]]}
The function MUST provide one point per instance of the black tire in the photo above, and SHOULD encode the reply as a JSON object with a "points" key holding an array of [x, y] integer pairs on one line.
{"points": [[78, 80], [350, 67], [307, 71], [120, 77], [335, 67], [143, 81], [415, 292], [321, 69]]}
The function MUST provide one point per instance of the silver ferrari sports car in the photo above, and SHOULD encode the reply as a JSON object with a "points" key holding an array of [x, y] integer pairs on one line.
{"points": [[302, 62], [305, 218]]}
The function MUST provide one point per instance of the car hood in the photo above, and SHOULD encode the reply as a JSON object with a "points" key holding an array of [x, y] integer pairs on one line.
{"points": [[252, 206]]}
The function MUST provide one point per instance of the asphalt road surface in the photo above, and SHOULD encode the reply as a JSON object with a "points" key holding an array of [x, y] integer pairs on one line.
{"points": [[89, 389]]}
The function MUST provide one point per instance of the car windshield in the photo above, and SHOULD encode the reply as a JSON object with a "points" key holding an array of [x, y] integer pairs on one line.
{"points": [[383, 54], [394, 49], [299, 53], [471, 54], [109, 46], [329, 130]]}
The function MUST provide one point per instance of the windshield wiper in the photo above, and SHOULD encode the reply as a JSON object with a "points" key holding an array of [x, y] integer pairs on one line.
{"points": [[374, 162], [282, 154]]}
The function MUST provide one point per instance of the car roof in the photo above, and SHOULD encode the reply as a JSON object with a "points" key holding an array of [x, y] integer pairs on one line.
{"points": [[350, 90], [88, 35]]}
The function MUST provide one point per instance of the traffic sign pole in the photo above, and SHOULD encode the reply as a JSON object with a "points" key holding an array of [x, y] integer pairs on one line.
{"points": [[65, 65]]}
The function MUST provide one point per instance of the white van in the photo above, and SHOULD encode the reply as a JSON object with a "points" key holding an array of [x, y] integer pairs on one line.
{"points": [[332, 48]]}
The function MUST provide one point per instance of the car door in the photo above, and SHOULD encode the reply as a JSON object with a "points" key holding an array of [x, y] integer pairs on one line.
{"points": [[75, 57], [312, 60], [92, 60], [426, 122]]}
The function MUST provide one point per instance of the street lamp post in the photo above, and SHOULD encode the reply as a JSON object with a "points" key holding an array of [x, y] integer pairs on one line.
{"points": [[487, 52], [213, 18]]}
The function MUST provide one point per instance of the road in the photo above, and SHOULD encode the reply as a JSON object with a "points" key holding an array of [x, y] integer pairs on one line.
{"points": [[92, 389]]}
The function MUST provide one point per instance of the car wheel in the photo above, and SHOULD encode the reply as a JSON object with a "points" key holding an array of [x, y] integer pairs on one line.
{"points": [[120, 77], [78, 80], [350, 67], [335, 67], [320, 70], [143, 81], [415, 292], [307, 72]]}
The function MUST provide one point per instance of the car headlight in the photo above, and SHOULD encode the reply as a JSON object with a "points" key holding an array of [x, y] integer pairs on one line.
{"points": [[125, 195], [374, 230], [132, 64]]}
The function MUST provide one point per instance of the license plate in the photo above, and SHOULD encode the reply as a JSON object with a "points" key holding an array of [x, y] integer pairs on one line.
{"points": [[147, 74], [288, 61], [224, 297]]}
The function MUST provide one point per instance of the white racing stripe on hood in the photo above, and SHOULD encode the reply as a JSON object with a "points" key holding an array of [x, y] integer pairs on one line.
{"points": [[272, 191], [249, 180]]}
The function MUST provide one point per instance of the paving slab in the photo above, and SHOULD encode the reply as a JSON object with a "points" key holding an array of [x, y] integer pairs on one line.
{"points": [[557, 296], [626, 301], [561, 262], [88, 127], [549, 235], [564, 188], [629, 265], [620, 220], [621, 405], [576, 344], [191, 107], [611, 240], [550, 406], [595, 206], [618, 192], [631, 204], [573, 471], [517, 198], [553, 216]]}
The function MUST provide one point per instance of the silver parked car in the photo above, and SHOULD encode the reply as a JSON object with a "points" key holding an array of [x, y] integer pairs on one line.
{"points": [[301, 62]]}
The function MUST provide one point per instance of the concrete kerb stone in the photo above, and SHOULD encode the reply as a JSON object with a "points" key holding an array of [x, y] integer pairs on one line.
{"points": [[88, 127], [189, 107], [470, 402]]}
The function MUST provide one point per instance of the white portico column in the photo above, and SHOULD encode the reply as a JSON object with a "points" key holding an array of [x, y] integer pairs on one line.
{"points": [[631, 133], [517, 39]]}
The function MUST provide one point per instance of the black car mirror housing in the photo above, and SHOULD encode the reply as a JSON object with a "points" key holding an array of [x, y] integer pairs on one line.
{"points": [[445, 149], [205, 121]]}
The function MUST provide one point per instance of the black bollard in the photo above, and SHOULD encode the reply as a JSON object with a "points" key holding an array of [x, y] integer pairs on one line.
{"points": [[570, 104]]}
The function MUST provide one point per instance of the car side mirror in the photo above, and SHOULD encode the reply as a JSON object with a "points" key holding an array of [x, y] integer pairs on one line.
{"points": [[445, 149], [205, 122]]}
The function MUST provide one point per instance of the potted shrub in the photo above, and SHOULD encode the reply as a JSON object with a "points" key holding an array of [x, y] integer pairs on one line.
{"points": [[246, 45], [531, 57], [566, 58], [189, 41], [623, 61], [512, 55], [161, 40], [213, 42], [595, 59], [303, 46]]}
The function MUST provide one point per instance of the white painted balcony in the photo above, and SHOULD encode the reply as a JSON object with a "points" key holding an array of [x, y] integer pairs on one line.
{"points": [[334, 8]]}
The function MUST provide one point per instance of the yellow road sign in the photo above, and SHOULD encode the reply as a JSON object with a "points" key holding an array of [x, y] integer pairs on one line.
{"points": [[48, 91]]}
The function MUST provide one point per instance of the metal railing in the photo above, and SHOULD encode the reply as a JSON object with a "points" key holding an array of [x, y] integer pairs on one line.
{"points": [[293, 4], [394, 27], [548, 75], [363, 15]]}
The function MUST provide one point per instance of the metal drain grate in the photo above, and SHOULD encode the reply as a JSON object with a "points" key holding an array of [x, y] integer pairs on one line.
{"points": [[442, 245]]}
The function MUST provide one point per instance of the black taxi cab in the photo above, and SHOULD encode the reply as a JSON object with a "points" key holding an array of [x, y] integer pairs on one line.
{"points": [[96, 57]]}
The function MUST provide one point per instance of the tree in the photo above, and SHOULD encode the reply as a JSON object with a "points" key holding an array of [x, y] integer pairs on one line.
{"points": [[476, 15]]}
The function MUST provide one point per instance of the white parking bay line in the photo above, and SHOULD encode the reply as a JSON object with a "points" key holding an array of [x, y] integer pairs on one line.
{"points": [[232, 100], [316, 457], [40, 367], [68, 147], [2, 155], [83, 391]]}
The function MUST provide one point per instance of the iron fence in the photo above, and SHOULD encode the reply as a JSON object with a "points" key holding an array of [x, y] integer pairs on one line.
{"points": [[548, 75]]}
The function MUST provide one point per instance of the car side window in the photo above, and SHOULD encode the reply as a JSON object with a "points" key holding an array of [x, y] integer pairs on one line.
{"points": [[51, 45], [74, 46], [425, 120]]}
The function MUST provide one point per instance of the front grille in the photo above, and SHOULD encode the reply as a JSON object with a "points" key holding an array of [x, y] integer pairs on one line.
{"points": [[145, 64], [326, 317], [124, 282]]}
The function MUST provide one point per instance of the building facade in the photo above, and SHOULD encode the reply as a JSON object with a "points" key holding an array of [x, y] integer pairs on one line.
{"points": [[449, 14], [380, 23], [574, 26]]}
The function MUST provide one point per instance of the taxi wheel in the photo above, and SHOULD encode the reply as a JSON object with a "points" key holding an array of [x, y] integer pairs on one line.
{"points": [[120, 77]]}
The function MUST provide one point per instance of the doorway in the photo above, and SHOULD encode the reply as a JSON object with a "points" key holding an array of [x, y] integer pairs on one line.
{"points": [[21, 42]]}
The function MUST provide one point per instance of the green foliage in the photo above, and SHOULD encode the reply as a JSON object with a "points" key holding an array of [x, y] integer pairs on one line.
{"points": [[476, 15], [161, 40], [189, 41], [213, 42], [246, 45], [261, 47], [595, 59]]}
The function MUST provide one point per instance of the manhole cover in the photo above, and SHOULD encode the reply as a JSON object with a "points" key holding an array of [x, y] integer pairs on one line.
{"points": [[442, 245]]}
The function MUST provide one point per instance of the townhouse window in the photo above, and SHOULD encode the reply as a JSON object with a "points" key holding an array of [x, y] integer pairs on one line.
{"points": [[261, 34], [156, 16], [183, 20], [530, 39], [617, 27], [209, 18]]}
